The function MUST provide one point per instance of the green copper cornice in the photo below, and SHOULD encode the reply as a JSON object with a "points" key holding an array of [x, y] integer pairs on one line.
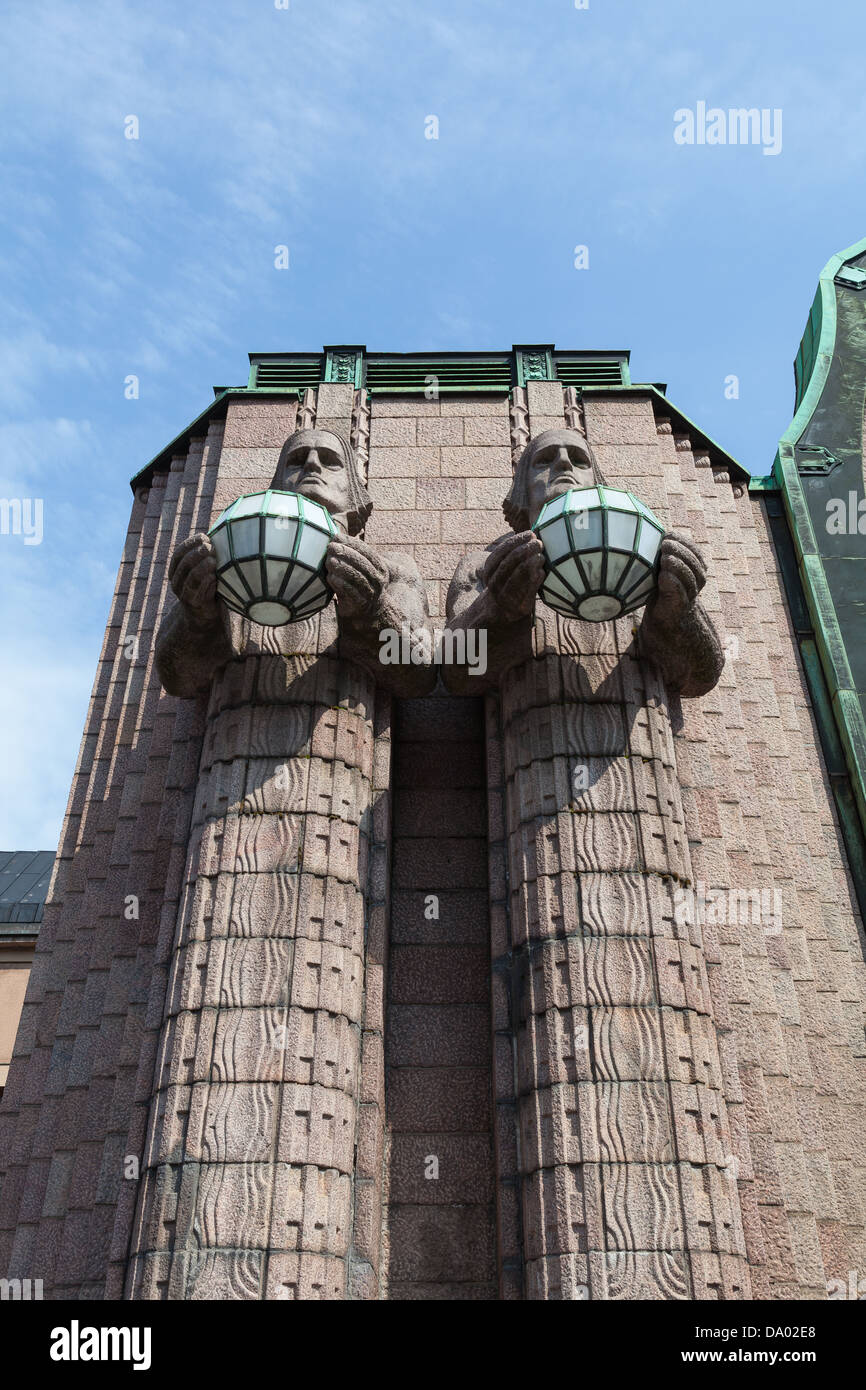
{"points": [[817, 347], [819, 462]]}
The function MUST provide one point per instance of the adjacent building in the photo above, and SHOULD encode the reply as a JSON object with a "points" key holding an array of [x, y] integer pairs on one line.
{"points": [[24, 877]]}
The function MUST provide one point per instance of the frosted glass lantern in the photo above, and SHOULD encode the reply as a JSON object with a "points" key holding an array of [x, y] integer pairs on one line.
{"points": [[270, 550], [601, 548]]}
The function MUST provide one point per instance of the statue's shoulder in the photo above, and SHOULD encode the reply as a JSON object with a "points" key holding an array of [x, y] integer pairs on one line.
{"points": [[469, 567], [467, 581], [401, 566]]}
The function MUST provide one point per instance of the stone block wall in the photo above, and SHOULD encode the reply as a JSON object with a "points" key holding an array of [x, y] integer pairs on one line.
{"points": [[441, 1222]]}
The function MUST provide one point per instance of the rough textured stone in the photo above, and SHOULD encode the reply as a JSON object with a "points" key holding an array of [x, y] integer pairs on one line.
{"points": [[629, 1099], [438, 1100]]}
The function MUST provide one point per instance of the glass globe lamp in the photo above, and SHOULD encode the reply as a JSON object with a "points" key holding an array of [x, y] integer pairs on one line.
{"points": [[270, 550], [601, 548]]}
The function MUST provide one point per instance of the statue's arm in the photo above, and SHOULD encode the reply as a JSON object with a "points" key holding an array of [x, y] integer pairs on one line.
{"points": [[379, 596], [492, 595], [189, 652], [194, 638], [677, 633]]}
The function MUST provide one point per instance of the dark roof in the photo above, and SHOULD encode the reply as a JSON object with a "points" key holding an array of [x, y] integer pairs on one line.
{"points": [[24, 878]]}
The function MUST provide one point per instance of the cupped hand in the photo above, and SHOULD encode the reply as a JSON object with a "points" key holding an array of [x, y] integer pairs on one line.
{"points": [[682, 575], [513, 574], [357, 575], [193, 575]]}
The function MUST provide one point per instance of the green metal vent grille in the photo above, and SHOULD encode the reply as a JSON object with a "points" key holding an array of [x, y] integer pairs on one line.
{"points": [[413, 375], [807, 352], [294, 374], [584, 371]]}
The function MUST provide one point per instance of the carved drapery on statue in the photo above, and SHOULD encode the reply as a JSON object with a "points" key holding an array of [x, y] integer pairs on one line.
{"points": [[249, 1160], [627, 1170]]}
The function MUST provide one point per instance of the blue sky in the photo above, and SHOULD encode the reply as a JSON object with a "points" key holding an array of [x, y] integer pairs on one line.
{"points": [[261, 126]]}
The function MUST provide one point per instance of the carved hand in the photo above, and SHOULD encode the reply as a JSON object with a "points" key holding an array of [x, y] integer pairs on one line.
{"points": [[357, 575], [513, 574], [682, 575], [676, 633], [193, 577]]}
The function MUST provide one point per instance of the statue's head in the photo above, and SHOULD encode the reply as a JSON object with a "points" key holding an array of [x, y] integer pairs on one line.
{"points": [[553, 462], [320, 464]]}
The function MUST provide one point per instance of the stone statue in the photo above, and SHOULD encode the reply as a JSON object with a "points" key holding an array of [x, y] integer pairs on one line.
{"points": [[270, 948], [374, 592], [594, 835], [495, 588]]}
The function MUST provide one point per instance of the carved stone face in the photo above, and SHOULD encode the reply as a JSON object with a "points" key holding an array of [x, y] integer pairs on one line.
{"points": [[316, 467], [559, 460]]}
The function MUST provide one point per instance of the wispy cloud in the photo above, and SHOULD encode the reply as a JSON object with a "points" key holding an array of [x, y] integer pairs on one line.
{"points": [[26, 360]]}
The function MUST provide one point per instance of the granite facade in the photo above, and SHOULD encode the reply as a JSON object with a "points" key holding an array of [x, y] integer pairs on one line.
{"points": [[633, 1039]]}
